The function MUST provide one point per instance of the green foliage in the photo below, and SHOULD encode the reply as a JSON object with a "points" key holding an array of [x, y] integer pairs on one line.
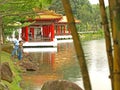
{"points": [[91, 36], [57, 6], [8, 31], [43, 4], [88, 14], [14, 11]]}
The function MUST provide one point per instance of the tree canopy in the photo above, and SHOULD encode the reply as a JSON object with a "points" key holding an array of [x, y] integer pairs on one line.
{"points": [[13, 12], [88, 14]]}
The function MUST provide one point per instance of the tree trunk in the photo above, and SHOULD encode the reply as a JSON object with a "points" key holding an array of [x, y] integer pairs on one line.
{"points": [[77, 44], [107, 37], [115, 12]]}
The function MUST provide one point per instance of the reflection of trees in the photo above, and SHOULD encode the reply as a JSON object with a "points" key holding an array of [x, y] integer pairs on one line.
{"points": [[65, 61], [65, 54], [71, 70]]}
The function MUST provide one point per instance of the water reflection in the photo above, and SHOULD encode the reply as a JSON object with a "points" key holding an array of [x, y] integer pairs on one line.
{"points": [[63, 64], [97, 64]]}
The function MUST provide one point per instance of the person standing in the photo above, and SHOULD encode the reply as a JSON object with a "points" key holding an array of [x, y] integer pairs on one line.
{"points": [[20, 50], [15, 47]]}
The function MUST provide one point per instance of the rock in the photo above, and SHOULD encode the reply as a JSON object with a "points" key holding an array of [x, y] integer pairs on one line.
{"points": [[29, 66], [27, 63], [7, 47], [60, 85], [6, 72]]}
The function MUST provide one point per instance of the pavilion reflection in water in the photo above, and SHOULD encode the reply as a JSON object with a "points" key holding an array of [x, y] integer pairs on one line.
{"points": [[50, 64]]}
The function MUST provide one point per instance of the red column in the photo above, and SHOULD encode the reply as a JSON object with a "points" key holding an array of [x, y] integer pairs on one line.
{"points": [[26, 33], [27, 37], [43, 30], [52, 32], [48, 31]]}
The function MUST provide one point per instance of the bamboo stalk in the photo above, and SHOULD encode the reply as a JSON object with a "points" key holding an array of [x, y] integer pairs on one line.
{"points": [[107, 38], [115, 23], [77, 44]]}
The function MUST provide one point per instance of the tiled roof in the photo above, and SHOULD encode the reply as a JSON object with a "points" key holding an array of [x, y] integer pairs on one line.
{"points": [[46, 15], [64, 20]]}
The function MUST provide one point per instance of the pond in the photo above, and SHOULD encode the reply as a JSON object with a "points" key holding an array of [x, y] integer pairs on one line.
{"points": [[63, 64]]}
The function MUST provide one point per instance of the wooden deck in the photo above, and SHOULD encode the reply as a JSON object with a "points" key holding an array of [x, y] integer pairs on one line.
{"points": [[48, 49], [61, 37], [46, 46], [40, 44]]}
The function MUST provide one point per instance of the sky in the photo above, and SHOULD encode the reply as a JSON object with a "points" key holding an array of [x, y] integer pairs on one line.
{"points": [[97, 1]]}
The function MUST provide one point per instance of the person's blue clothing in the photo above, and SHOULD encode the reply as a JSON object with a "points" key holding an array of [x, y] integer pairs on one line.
{"points": [[16, 42], [15, 48]]}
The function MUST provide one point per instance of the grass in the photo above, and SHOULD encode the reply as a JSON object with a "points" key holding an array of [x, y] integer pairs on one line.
{"points": [[5, 57], [92, 36]]}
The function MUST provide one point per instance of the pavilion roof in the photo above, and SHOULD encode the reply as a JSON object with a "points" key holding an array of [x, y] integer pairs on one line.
{"points": [[45, 15], [64, 20]]}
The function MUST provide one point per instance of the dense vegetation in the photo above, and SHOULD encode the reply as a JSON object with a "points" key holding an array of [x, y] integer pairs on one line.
{"points": [[88, 14]]}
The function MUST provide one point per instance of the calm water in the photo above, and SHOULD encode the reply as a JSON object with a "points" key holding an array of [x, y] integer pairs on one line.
{"points": [[63, 64]]}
